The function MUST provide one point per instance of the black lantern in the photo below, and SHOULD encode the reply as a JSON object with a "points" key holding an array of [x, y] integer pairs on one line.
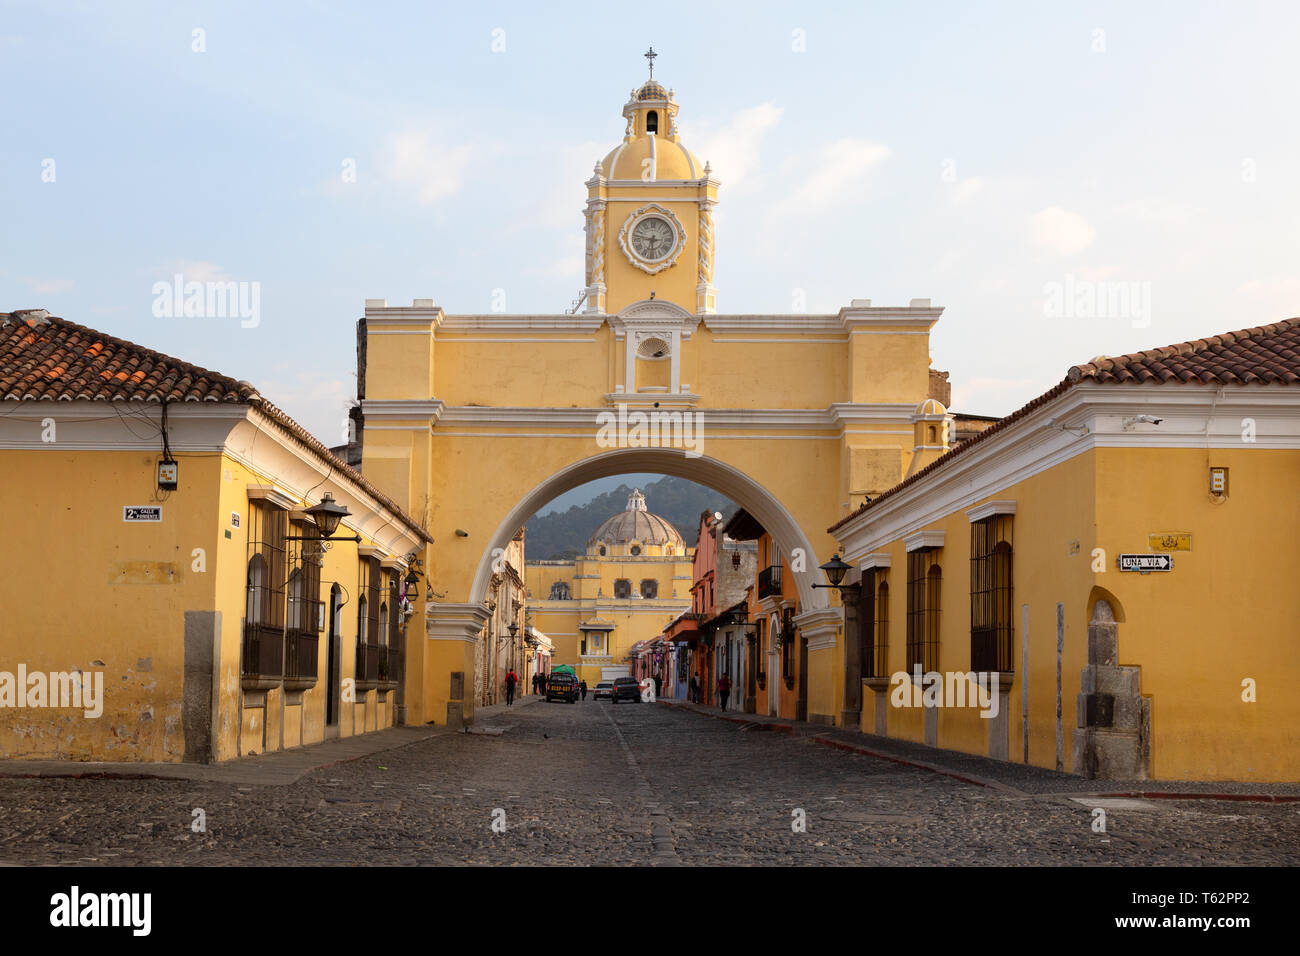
{"points": [[412, 586], [514, 631], [327, 515], [835, 570]]}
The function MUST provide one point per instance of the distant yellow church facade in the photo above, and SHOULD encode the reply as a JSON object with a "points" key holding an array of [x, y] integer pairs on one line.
{"points": [[476, 421], [634, 578]]}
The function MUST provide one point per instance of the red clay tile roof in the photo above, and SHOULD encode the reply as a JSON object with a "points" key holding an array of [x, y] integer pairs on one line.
{"points": [[1267, 355], [1264, 355], [46, 358]]}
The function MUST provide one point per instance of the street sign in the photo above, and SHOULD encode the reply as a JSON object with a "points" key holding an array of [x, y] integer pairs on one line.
{"points": [[1146, 562], [141, 513]]}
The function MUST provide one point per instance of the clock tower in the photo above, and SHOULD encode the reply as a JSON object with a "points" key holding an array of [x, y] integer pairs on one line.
{"points": [[650, 213]]}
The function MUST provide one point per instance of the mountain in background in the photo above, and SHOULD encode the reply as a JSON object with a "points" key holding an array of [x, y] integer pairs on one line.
{"points": [[561, 535]]}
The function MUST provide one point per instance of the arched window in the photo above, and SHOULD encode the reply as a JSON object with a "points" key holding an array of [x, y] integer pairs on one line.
{"points": [[297, 612], [882, 629], [363, 618], [991, 596], [652, 121], [933, 585], [383, 623], [601, 550], [649, 588], [257, 606], [924, 583]]}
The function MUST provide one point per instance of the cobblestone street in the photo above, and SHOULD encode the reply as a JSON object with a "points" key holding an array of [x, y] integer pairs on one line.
{"points": [[595, 783]]}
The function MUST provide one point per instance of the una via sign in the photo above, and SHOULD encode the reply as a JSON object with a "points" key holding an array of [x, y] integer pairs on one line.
{"points": [[142, 512], [1146, 562]]}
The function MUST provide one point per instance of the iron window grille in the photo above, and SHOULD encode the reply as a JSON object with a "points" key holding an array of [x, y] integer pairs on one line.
{"points": [[881, 650], [303, 605], [622, 588], [871, 645], [368, 586], [769, 581], [649, 588], [924, 582], [264, 616], [992, 634]]}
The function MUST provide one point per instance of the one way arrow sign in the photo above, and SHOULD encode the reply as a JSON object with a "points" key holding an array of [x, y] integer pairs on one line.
{"points": [[1146, 562]]}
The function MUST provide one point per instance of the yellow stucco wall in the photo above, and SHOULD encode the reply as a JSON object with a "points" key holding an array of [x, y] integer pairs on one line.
{"points": [[1195, 631]]}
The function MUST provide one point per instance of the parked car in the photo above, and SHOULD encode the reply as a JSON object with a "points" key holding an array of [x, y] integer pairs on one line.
{"points": [[626, 688], [562, 687], [603, 689]]}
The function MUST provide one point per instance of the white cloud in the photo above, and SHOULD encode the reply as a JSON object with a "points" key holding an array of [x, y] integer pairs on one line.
{"points": [[964, 191], [1061, 231], [436, 171], [316, 402], [733, 148], [841, 173], [48, 286], [195, 271]]}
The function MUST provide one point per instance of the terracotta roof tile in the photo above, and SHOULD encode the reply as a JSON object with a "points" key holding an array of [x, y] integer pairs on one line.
{"points": [[46, 358], [1264, 355]]}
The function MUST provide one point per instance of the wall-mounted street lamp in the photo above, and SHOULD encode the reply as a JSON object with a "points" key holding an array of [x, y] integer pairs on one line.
{"points": [[835, 570], [326, 514]]}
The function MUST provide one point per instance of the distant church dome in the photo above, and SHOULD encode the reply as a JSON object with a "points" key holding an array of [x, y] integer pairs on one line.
{"points": [[635, 525]]}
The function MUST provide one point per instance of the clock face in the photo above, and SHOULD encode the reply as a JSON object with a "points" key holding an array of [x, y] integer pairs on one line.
{"points": [[653, 238]]}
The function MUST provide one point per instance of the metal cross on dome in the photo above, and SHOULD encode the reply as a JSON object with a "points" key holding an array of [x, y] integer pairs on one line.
{"points": [[650, 55]]}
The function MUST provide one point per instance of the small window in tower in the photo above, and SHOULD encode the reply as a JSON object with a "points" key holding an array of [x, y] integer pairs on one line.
{"points": [[652, 122]]}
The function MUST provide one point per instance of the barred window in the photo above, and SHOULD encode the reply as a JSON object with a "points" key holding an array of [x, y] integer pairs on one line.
{"points": [[649, 588], [924, 581], [871, 661], [991, 597], [264, 606], [882, 630], [622, 588]]}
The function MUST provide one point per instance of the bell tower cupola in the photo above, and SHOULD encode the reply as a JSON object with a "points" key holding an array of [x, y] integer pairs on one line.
{"points": [[649, 215]]}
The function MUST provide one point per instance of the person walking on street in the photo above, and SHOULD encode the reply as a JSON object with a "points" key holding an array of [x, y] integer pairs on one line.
{"points": [[724, 689], [511, 679], [695, 689], [583, 687], [657, 686]]}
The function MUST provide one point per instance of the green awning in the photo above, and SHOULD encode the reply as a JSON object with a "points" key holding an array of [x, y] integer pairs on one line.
{"points": [[563, 669]]}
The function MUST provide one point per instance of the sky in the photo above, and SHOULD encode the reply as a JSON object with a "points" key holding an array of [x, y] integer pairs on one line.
{"points": [[1065, 179]]}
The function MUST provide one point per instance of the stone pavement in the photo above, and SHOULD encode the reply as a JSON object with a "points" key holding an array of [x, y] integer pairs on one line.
{"points": [[599, 783], [998, 774]]}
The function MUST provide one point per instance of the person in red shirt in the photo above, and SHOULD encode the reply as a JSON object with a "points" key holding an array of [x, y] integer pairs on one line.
{"points": [[724, 689], [511, 680]]}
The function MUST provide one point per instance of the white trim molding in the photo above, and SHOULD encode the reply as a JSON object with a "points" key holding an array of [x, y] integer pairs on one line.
{"points": [[819, 626], [924, 541], [999, 506], [876, 560], [274, 494]]}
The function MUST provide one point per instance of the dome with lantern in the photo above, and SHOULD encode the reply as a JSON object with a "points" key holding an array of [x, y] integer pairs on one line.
{"points": [[652, 148], [636, 532]]}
